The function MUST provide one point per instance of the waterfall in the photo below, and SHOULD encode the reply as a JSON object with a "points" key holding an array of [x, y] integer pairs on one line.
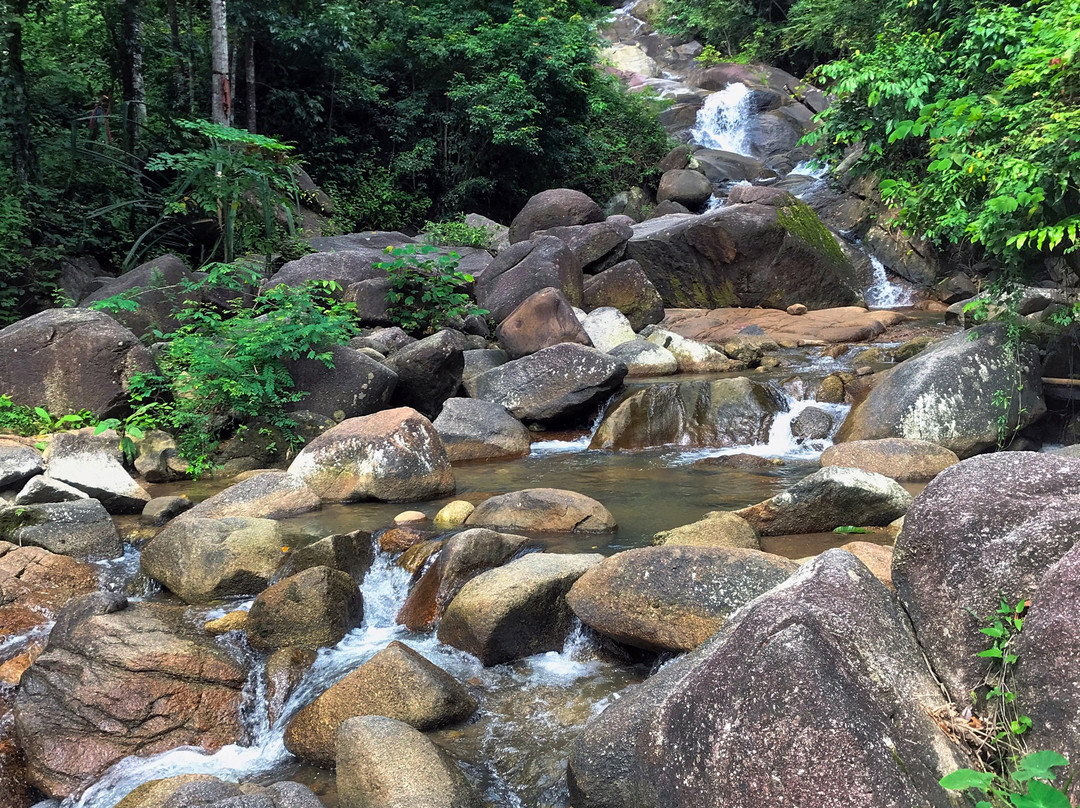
{"points": [[884, 293], [722, 119]]}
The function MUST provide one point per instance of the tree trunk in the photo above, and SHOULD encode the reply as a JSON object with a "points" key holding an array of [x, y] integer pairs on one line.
{"points": [[24, 160], [131, 59], [220, 90], [177, 90], [249, 79]]}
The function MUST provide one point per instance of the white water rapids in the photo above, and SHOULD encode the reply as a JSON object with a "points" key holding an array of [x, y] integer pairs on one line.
{"points": [[722, 120]]}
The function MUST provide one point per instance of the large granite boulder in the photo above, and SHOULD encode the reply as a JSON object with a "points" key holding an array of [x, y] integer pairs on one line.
{"points": [[472, 429], [429, 372], [80, 528], [608, 328], [558, 207], [544, 319], [158, 287], [672, 598], [526, 268], [311, 609], [43, 489], [68, 360], [270, 495], [354, 385], [345, 267], [815, 695], [685, 186], [597, 246], [899, 458], [118, 681], [946, 395], [92, 463], [543, 510], [627, 288], [18, 463], [394, 455]]}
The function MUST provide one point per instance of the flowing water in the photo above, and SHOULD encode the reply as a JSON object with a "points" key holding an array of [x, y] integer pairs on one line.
{"points": [[722, 120], [884, 293]]}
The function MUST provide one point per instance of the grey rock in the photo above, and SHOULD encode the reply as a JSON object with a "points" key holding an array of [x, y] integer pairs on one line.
{"points": [[161, 510], [429, 372], [18, 463], [355, 385], [43, 488], [92, 464], [82, 529], [558, 207], [472, 429]]}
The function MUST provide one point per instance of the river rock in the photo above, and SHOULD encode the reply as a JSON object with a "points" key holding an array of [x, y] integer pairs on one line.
{"points": [[598, 245], [353, 385], [828, 499], [945, 395], [205, 791], [626, 288], [516, 610], [35, 584], [526, 268], [395, 455], [812, 423], [285, 670], [472, 429], [44, 362], [544, 319], [159, 459], [814, 695], [383, 763], [81, 529], [691, 356], [429, 372], [876, 557], [558, 207], [643, 358], [140, 668], [714, 414], [161, 510], [43, 488], [270, 495], [312, 609], [349, 552], [92, 464], [543, 510], [554, 385], [899, 458], [154, 793], [685, 186], [608, 328], [397, 683], [672, 598], [453, 514], [157, 287], [462, 558], [717, 529], [200, 560], [965, 547], [18, 463]]}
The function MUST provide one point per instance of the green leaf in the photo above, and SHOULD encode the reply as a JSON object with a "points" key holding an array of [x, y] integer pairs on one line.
{"points": [[1038, 765], [850, 529], [963, 779], [1041, 795]]}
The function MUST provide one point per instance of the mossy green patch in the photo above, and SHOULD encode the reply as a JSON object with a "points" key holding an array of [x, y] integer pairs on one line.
{"points": [[799, 219]]}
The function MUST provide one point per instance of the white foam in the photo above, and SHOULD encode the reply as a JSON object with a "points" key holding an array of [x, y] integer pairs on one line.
{"points": [[723, 118]]}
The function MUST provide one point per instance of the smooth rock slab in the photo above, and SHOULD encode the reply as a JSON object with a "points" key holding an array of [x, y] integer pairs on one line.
{"points": [[92, 464], [82, 529], [543, 510], [472, 429], [271, 495], [899, 458], [18, 463]]}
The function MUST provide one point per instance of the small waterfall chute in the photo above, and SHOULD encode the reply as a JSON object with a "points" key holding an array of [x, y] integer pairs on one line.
{"points": [[884, 293], [722, 121]]}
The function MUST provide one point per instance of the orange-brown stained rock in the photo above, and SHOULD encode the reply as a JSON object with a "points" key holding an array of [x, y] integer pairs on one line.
{"points": [[400, 539]]}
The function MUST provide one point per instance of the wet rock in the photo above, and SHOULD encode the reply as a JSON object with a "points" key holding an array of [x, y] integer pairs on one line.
{"points": [[201, 560], [312, 609], [154, 793], [626, 288], [720, 413], [811, 424], [945, 395], [717, 529], [271, 495], [827, 499], [383, 763], [899, 458], [35, 584], [429, 372], [830, 390], [161, 510], [92, 464], [543, 510], [608, 328], [205, 791], [516, 610], [672, 598], [554, 385], [82, 529], [742, 461], [400, 538], [453, 514], [285, 669], [692, 356], [416, 557], [157, 288], [354, 385], [462, 558], [597, 246], [643, 358], [348, 552], [159, 458], [526, 268], [118, 681], [395, 455], [685, 186], [43, 489], [965, 547], [472, 429], [18, 463], [814, 695], [230, 621], [544, 319], [913, 347], [43, 362], [559, 207], [396, 683]]}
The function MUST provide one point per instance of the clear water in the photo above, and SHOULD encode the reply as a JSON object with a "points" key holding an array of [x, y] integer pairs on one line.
{"points": [[722, 119]]}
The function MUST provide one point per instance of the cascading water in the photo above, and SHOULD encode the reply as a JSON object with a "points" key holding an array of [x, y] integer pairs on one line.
{"points": [[886, 294], [722, 120]]}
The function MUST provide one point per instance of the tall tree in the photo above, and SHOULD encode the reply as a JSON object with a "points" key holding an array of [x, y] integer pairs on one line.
{"points": [[249, 79], [24, 159], [131, 62], [221, 89]]}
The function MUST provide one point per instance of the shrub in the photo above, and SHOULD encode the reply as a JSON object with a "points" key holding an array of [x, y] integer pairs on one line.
{"points": [[426, 288]]}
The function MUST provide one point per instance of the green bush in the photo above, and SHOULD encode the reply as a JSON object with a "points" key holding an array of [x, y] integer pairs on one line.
{"points": [[456, 233], [426, 289]]}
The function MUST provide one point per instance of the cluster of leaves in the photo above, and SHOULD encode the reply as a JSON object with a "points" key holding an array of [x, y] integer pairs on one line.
{"points": [[1003, 630], [454, 232], [426, 288], [31, 421], [1032, 784]]}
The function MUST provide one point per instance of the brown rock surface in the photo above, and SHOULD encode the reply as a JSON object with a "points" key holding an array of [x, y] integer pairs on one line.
{"points": [[844, 324]]}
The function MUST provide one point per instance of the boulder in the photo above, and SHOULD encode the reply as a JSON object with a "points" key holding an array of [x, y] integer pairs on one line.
{"points": [[348, 552], [453, 514], [92, 464], [158, 289], [345, 267], [516, 610], [828, 499], [724, 167], [18, 463], [369, 297], [672, 598], [159, 459], [311, 609], [813, 423], [269, 495], [384, 763], [700, 414], [608, 328], [285, 670], [429, 372], [814, 695], [43, 488], [685, 186], [627, 288], [118, 681], [745, 255], [383, 340], [81, 529], [161, 510], [69, 360], [692, 356], [205, 791], [876, 557], [463, 557], [543, 510], [598, 245], [34, 585], [396, 683], [472, 429], [480, 361], [716, 529], [544, 319], [499, 233], [946, 395], [201, 560], [643, 358], [899, 458], [526, 268], [394, 455], [965, 547], [555, 385], [559, 207], [354, 385]]}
